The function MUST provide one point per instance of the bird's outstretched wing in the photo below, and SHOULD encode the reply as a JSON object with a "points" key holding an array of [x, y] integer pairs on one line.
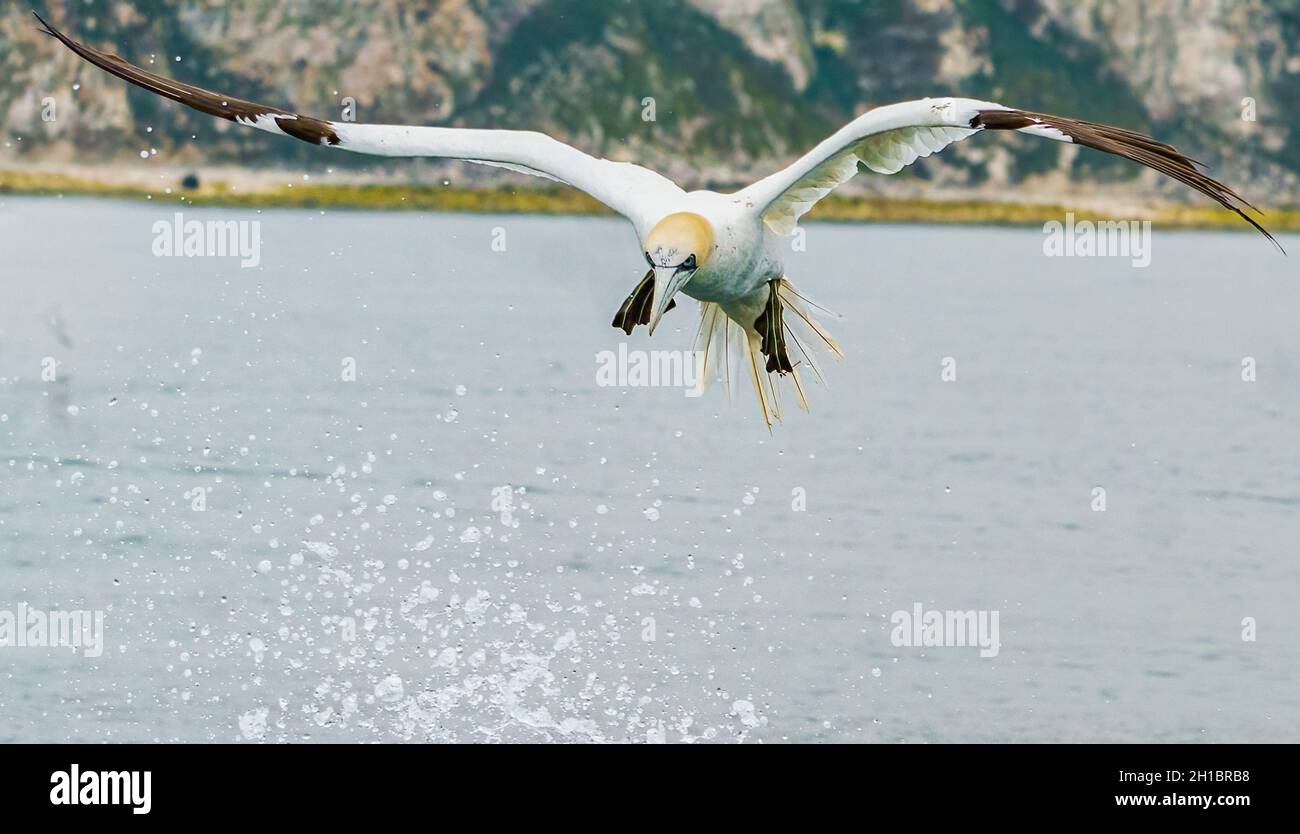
{"points": [[635, 192], [889, 138]]}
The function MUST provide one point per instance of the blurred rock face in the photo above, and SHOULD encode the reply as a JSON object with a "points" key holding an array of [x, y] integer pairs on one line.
{"points": [[710, 91]]}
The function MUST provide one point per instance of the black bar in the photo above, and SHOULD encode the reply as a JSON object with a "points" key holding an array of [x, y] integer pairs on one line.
{"points": [[304, 783]]}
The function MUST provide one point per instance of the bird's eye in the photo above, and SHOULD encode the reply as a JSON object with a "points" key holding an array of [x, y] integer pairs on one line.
{"points": [[689, 263]]}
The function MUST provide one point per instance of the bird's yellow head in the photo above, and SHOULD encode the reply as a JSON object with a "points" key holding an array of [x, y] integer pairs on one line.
{"points": [[680, 239], [676, 247]]}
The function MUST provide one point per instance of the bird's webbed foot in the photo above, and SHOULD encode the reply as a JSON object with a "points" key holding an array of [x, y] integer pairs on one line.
{"points": [[636, 309], [771, 328]]}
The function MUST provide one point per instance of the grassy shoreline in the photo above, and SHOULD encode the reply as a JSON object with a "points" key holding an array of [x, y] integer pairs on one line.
{"points": [[561, 200]]}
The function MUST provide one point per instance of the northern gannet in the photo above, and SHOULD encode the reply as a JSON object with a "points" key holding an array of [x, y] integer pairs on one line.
{"points": [[724, 250]]}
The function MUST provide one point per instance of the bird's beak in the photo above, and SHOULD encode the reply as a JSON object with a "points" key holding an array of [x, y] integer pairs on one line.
{"points": [[668, 280]]}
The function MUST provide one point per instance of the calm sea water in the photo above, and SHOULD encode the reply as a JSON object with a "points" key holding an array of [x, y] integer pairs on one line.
{"points": [[347, 575]]}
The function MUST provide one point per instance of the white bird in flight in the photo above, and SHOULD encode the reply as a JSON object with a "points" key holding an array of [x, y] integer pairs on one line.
{"points": [[724, 250]]}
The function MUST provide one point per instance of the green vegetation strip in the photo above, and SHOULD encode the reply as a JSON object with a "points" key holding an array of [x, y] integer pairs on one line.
{"points": [[561, 200]]}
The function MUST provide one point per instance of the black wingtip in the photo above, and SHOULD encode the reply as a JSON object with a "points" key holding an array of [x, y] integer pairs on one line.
{"points": [[1259, 226], [45, 27], [1270, 237]]}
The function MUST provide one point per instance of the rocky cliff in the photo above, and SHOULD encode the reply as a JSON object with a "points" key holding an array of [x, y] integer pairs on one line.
{"points": [[709, 91]]}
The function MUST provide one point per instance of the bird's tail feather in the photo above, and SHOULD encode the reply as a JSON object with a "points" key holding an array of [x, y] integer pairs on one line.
{"points": [[729, 349]]}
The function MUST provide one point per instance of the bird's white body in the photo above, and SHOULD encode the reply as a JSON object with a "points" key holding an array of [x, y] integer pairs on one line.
{"points": [[723, 250], [745, 253]]}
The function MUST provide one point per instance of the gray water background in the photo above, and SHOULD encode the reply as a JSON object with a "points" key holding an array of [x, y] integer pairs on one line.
{"points": [[350, 579]]}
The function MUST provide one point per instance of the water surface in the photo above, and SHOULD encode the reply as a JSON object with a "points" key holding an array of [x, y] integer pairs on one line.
{"points": [[350, 579]]}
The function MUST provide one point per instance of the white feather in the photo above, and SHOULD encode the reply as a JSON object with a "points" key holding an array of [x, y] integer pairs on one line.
{"points": [[885, 140], [637, 193], [1045, 131], [266, 122]]}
